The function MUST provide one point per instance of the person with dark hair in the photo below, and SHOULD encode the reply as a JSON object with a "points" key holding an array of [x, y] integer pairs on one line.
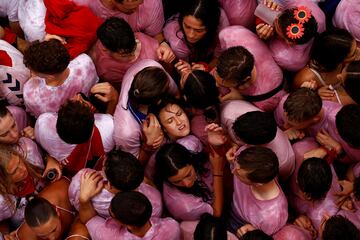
{"points": [[193, 34], [200, 92], [303, 111], [81, 137], [118, 48], [55, 79], [247, 127], [247, 69], [339, 227], [350, 78], [210, 228], [176, 126], [190, 184], [347, 17], [136, 130], [326, 63], [145, 16], [257, 199], [294, 33], [50, 216], [131, 218], [314, 187], [122, 172]]}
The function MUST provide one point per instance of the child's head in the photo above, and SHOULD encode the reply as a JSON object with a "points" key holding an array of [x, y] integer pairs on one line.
{"points": [[200, 92], [296, 25], [210, 228], [132, 209], [338, 227], [256, 234], [332, 48], [235, 68], [256, 165], [255, 128], [302, 108], [149, 86], [116, 35], [46, 58], [350, 76], [75, 122], [314, 178], [123, 171], [348, 124]]}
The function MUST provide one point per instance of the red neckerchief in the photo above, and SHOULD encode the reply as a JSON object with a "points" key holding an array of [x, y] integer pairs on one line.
{"points": [[25, 187], [89, 154]]}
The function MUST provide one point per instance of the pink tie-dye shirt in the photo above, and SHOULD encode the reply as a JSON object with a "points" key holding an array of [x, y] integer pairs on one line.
{"points": [[148, 18], [40, 98], [105, 229]]}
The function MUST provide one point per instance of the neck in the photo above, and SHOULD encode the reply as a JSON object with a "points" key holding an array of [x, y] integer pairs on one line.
{"points": [[140, 231], [265, 191], [58, 79]]}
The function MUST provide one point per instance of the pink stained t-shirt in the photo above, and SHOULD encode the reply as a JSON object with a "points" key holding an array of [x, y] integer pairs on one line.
{"points": [[267, 215], [111, 70], [101, 202], [188, 228], [46, 135], [161, 229], [347, 16], [330, 110], [240, 12], [40, 98], [31, 14], [128, 132], [292, 232], [148, 18], [295, 57], [176, 38], [281, 146], [269, 76], [314, 210]]}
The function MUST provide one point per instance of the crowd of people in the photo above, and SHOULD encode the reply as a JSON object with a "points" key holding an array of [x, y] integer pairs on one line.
{"points": [[180, 119]]}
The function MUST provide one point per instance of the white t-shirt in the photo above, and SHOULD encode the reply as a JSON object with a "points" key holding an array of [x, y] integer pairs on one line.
{"points": [[9, 8]]}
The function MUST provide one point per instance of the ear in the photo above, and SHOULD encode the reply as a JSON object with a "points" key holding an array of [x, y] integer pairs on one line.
{"points": [[339, 77]]}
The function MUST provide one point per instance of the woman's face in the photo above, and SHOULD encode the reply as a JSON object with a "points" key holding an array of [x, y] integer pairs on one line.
{"points": [[16, 169], [9, 132], [174, 120], [185, 177], [194, 29]]}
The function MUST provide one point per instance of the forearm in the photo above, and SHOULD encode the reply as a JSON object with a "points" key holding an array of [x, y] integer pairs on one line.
{"points": [[218, 192], [159, 37], [86, 211]]}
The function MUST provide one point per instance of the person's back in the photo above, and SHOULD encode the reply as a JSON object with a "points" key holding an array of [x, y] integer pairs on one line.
{"points": [[143, 16], [56, 77]]}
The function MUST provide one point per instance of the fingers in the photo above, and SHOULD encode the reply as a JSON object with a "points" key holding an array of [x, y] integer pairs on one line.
{"points": [[264, 31]]}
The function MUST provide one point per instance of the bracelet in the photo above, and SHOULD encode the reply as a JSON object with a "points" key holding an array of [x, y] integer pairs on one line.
{"points": [[217, 175]]}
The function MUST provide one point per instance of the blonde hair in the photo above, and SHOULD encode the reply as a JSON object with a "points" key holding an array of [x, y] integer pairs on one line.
{"points": [[7, 187]]}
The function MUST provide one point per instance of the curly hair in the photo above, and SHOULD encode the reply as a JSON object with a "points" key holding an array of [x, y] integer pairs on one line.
{"points": [[48, 57]]}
